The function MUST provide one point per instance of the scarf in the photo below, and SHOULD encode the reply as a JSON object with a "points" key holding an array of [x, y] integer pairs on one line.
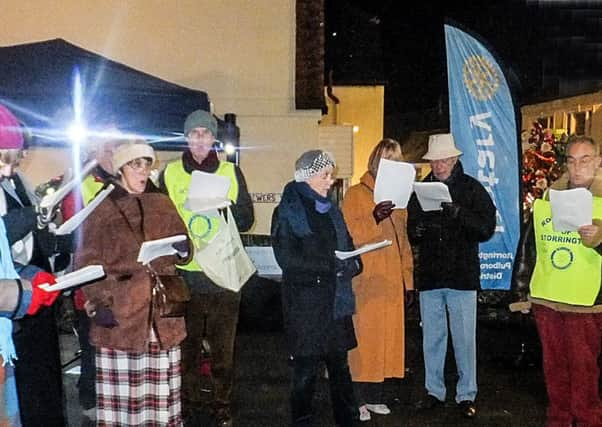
{"points": [[292, 210]]}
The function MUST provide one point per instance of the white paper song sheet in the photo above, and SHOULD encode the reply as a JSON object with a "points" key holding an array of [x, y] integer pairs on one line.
{"points": [[152, 249], [394, 182], [74, 222], [571, 208], [75, 278], [362, 250], [207, 191], [431, 195]]}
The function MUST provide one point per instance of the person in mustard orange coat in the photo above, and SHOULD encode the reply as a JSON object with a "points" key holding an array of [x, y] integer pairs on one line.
{"points": [[383, 287]]}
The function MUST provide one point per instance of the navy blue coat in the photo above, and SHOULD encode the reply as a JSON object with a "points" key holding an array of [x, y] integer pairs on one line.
{"points": [[309, 283]]}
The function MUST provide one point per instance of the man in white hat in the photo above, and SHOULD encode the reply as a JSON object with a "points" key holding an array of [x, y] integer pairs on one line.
{"points": [[447, 272]]}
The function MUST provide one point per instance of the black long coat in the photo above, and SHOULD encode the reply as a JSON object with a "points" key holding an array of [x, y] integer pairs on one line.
{"points": [[308, 289], [447, 249]]}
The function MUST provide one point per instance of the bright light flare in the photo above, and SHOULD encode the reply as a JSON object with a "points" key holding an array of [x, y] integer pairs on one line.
{"points": [[229, 148], [77, 133]]}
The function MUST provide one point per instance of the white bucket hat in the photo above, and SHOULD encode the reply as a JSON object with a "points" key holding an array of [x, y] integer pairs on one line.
{"points": [[441, 146], [131, 150]]}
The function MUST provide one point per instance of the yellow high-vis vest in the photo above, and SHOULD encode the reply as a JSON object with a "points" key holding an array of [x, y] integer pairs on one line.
{"points": [[201, 228], [565, 271], [90, 188]]}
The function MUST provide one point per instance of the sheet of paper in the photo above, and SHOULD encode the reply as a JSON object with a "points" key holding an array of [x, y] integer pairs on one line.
{"points": [[75, 278], [571, 208], [75, 221], [264, 260], [207, 191], [431, 194], [152, 249], [394, 182], [362, 250]]}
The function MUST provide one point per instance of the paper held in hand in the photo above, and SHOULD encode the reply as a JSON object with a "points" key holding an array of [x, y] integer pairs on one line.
{"points": [[431, 194], [152, 249], [74, 222], [571, 208], [362, 250], [207, 191], [394, 182], [75, 278]]}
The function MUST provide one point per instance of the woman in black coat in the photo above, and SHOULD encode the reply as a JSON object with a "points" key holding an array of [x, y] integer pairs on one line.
{"points": [[317, 297]]}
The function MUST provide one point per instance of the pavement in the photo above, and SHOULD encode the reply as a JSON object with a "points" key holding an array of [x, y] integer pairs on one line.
{"points": [[511, 389]]}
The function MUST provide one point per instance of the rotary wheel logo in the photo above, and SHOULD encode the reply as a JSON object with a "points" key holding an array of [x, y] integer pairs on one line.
{"points": [[562, 258], [480, 77]]}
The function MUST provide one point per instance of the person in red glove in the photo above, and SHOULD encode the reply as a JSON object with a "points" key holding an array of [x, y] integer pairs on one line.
{"points": [[40, 297], [35, 337]]}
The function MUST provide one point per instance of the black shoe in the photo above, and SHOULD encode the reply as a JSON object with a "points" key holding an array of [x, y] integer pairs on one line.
{"points": [[429, 402], [468, 408]]}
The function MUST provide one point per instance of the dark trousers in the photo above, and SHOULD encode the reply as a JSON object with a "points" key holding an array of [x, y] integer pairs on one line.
{"points": [[87, 380], [305, 373], [217, 313], [369, 392], [38, 370], [571, 347]]}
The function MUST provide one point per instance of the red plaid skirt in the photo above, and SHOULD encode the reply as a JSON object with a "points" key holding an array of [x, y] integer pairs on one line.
{"points": [[138, 389]]}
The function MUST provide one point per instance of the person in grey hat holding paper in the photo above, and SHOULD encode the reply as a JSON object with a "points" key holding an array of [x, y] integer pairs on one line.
{"points": [[317, 296], [447, 272], [212, 310]]}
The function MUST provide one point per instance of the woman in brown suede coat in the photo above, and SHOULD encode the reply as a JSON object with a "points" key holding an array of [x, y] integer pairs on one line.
{"points": [[380, 289], [138, 352]]}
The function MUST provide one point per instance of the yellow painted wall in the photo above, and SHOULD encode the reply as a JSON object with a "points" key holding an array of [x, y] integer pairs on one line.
{"points": [[240, 52], [361, 106]]}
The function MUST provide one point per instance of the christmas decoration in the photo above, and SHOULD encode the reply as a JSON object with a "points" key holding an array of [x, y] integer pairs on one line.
{"points": [[543, 163]]}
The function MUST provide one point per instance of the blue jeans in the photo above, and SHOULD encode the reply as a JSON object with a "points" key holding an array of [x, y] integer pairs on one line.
{"points": [[461, 306]]}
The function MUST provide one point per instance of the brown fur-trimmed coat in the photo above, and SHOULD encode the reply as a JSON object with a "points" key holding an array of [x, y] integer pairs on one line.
{"points": [[107, 239]]}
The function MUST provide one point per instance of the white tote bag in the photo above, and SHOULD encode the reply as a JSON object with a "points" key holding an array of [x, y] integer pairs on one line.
{"points": [[224, 259]]}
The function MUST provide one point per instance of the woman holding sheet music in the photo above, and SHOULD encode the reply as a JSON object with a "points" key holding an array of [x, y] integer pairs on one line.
{"points": [[137, 351], [382, 288], [317, 299]]}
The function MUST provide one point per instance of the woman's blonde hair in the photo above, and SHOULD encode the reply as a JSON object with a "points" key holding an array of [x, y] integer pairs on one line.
{"points": [[387, 148]]}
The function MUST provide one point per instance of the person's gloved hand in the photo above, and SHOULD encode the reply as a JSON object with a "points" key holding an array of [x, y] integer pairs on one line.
{"points": [[450, 209], [52, 244], [7, 346], [182, 247], [410, 298], [103, 316], [348, 268], [382, 210], [40, 297]]}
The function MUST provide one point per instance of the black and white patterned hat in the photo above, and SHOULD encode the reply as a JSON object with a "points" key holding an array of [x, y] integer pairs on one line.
{"points": [[311, 163]]}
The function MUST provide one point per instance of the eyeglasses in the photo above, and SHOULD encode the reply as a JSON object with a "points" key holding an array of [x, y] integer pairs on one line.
{"points": [[583, 162], [139, 165]]}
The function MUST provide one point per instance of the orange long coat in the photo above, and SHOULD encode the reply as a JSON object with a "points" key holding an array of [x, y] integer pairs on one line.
{"points": [[379, 290]]}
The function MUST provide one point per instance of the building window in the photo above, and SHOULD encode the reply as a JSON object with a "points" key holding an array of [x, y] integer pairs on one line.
{"points": [[547, 122], [580, 121]]}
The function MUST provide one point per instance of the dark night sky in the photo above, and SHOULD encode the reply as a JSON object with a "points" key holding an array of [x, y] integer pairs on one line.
{"points": [[546, 47]]}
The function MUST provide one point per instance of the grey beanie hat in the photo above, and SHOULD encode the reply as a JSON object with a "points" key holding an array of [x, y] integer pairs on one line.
{"points": [[311, 163], [200, 119]]}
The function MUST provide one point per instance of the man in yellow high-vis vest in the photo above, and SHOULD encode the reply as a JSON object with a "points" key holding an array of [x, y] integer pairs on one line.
{"points": [[562, 272], [212, 311]]}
